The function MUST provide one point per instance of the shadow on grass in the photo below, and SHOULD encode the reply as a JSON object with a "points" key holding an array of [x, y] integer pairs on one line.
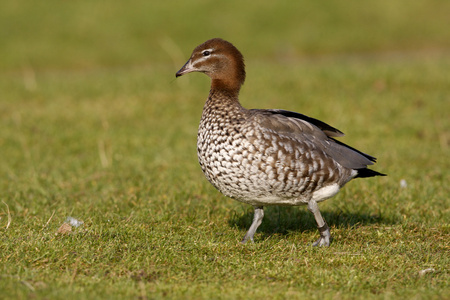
{"points": [[282, 220]]}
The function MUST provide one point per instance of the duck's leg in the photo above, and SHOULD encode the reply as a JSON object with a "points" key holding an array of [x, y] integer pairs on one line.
{"points": [[257, 219], [322, 226]]}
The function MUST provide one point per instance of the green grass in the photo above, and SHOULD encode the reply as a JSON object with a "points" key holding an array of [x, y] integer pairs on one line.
{"points": [[94, 126]]}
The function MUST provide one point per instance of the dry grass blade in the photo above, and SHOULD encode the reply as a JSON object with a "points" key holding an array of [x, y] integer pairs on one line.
{"points": [[9, 215], [48, 222]]}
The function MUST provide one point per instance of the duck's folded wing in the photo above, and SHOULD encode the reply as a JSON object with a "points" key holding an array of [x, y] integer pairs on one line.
{"points": [[302, 127], [327, 129]]}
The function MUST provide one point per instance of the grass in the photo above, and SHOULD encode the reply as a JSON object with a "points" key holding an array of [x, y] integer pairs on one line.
{"points": [[93, 126]]}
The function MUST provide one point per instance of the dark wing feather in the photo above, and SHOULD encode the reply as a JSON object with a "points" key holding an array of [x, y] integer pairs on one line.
{"points": [[327, 129], [301, 127]]}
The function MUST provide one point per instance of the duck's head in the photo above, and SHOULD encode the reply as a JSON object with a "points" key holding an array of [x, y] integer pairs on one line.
{"points": [[221, 61]]}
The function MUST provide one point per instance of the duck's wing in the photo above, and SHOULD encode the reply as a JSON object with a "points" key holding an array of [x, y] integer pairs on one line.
{"points": [[327, 129], [304, 128]]}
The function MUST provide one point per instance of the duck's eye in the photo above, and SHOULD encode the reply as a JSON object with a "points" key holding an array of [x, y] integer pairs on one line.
{"points": [[206, 53]]}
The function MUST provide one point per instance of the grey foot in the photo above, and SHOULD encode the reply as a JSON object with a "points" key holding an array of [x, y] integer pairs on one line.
{"points": [[325, 237], [257, 219], [246, 238]]}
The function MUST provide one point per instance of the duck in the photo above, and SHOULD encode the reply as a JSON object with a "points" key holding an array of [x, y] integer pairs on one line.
{"points": [[266, 157]]}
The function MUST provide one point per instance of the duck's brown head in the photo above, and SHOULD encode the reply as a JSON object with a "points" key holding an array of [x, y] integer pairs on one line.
{"points": [[221, 61]]}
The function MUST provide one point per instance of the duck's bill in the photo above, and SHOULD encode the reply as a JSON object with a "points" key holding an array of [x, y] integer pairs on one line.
{"points": [[187, 68]]}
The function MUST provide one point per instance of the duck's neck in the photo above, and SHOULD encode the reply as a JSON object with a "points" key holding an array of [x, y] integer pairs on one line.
{"points": [[218, 95], [223, 103], [226, 87]]}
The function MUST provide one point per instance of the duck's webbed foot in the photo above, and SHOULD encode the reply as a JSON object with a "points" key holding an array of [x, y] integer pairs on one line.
{"points": [[325, 236]]}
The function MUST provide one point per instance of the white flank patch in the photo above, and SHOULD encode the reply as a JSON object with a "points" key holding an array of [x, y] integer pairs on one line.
{"points": [[325, 192]]}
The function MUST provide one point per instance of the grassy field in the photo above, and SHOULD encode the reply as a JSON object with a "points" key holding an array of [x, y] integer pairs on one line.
{"points": [[94, 126]]}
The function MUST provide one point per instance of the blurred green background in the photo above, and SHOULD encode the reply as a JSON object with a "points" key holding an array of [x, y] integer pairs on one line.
{"points": [[93, 125], [91, 34]]}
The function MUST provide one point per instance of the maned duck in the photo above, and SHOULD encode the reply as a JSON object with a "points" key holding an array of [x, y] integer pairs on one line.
{"points": [[267, 156]]}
